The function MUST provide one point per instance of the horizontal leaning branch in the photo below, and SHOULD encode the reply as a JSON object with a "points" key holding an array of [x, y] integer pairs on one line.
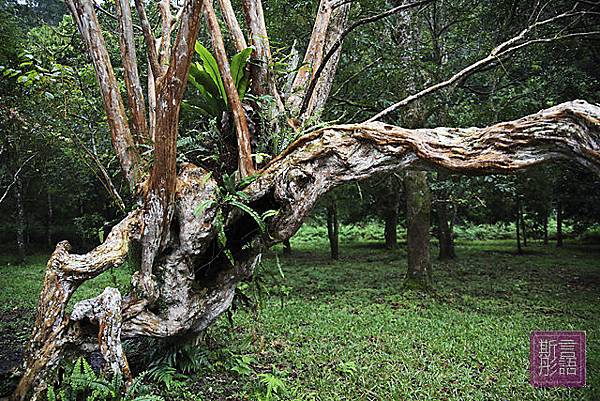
{"points": [[323, 159]]}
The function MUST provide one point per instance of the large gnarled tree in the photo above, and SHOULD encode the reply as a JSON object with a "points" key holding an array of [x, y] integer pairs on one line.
{"points": [[185, 279]]}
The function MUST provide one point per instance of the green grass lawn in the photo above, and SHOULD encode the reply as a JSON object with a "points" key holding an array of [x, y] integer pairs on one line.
{"points": [[347, 331]]}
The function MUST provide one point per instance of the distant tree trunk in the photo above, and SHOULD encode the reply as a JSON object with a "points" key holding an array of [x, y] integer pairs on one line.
{"points": [[333, 229], [390, 213], [559, 221], [523, 225], [546, 227], [20, 220], [445, 236], [49, 222], [518, 225], [287, 247], [418, 210], [389, 232]]}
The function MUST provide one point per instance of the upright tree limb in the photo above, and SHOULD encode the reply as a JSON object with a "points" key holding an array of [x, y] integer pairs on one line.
{"points": [[312, 57], [262, 81], [160, 196], [233, 25], [87, 23], [323, 83], [135, 95], [334, 48], [149, 39], [164, 7], [245, 164]]}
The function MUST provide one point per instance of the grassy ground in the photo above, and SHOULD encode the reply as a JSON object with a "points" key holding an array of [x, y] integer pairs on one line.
{"points": [[346, 331]]}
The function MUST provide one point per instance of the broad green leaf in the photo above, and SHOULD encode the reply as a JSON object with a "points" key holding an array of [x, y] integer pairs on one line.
{"points": [[203, 81], [238, 70], [211, 67]]}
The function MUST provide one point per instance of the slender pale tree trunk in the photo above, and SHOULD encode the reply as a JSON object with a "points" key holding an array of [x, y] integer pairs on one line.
{"points": [[546, 227], [418, 210], [333, 228], [518, 225], [50, 219], [445, 235], [559, 224], [523, 225], [20, 220]]}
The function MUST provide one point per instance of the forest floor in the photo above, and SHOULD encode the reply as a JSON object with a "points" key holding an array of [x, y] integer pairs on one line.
{"points": [[346, 330]]}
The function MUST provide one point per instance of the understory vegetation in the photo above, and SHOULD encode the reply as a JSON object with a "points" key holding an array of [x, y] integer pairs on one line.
{"points": [[347, 330]]}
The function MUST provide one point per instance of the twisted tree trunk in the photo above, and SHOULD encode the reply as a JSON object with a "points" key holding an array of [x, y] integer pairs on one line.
{"points": [[196, 286]]}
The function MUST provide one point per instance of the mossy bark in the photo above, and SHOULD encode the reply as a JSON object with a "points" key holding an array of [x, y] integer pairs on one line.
{"points": [[418, 211]]}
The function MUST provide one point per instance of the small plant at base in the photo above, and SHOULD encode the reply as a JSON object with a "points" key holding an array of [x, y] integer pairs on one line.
{"points": [[272, 385], [242, 364], [83, 384]]}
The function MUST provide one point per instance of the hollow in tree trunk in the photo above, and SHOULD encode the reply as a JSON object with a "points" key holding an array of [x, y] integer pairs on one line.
{"points": [[418, 210], [333, 228]]}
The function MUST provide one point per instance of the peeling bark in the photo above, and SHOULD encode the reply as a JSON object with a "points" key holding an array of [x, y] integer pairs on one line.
{"points": [[197, 284], [64, 274], [324, 82], [262, 80], [312, 57], [233, 25], [87, 23], [135, 95], [245, 164]]}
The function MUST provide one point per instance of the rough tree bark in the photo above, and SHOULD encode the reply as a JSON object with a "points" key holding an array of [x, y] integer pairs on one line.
{"points": [[418, 210], [195, 288], [180, 286]]}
